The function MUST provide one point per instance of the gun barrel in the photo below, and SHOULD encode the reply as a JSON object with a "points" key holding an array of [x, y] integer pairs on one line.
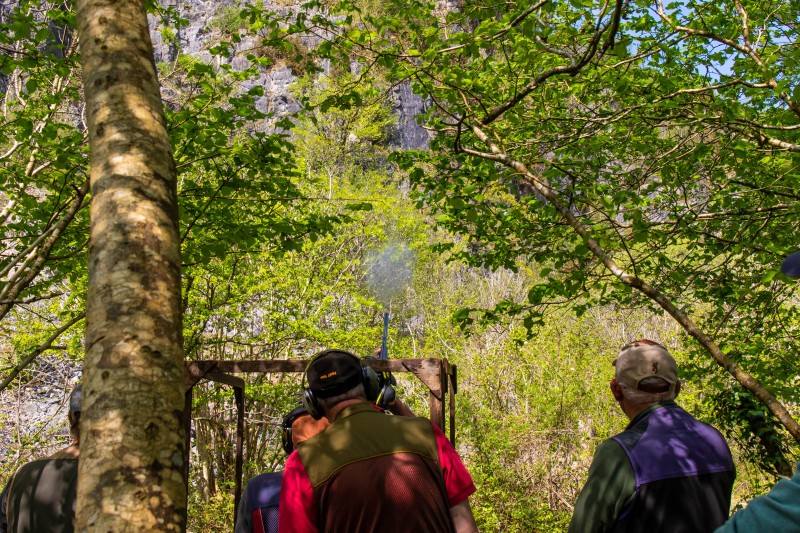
{"points": [[384, 345]]}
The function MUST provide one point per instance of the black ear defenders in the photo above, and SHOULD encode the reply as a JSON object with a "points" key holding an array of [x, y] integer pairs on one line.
{"points": [[386, 393], [368, 378], [286, 428]]}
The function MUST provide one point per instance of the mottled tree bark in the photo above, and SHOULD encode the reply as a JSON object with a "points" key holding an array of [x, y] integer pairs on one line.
{"points": [[131, 464]]}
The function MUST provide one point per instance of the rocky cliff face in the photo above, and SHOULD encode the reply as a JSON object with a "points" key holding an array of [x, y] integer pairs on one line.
{"points": [[206, 22], [39, 410]]}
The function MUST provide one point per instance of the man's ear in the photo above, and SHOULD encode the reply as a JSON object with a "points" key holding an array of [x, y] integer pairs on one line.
{"points": [[616, 390], [677, 388]]}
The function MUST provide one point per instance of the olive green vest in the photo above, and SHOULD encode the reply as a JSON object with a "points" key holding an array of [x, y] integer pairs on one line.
{"points": [[376, 472], [361, 432]]}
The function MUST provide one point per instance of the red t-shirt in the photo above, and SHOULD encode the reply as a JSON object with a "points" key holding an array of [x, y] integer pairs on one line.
{"points": [[298, 510]]}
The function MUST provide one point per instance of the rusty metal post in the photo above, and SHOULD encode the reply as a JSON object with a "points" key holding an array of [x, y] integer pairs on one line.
{"points": [[238, 393], [436, 399], [187, 425], [452, 376]]}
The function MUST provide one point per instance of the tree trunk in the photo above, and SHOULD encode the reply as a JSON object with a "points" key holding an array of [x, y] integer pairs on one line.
{"points": [[132, 439], [204, 440]]}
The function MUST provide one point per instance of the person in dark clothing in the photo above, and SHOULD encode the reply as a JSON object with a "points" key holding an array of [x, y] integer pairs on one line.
{"points": [[667, 472], [258, 509], [40, 496], [791, 265], [368, 471]]}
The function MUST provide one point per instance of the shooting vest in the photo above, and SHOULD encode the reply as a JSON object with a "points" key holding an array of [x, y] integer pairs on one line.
{"points": [[375, 472], [41, 495], [684, 474], [262, 496]]}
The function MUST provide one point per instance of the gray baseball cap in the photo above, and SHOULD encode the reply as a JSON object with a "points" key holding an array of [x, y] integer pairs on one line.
{"points": [[644, 359]]}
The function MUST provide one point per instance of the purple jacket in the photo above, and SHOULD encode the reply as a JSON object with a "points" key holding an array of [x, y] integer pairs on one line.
{"points": [[684, 473]]}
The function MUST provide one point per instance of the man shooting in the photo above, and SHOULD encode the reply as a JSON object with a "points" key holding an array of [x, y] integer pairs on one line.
{"points": [[369, 471]]}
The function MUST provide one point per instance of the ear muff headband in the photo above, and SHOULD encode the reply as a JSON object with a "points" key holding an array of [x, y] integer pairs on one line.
{"points": [[368, 378], [286, 428]]}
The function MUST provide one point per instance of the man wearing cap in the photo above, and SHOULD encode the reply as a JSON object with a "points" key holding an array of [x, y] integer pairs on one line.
{"points": [[258, 509], [40, 496], [370, 471], [667, 471]]}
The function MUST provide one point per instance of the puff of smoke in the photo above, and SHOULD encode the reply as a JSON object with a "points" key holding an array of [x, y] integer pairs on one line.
{"points": [[389, 271]]}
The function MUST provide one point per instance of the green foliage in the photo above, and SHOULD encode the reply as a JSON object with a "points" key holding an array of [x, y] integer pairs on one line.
{"points": [[531, 416], [291, 53], [229, 20], [169, 35], [635, 156], [663, 142], [302, 285], [215, 514], [760, 435], [43, 155]]}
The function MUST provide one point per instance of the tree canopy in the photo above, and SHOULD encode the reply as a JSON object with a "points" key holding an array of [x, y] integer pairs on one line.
{"points": [[640, 154]]}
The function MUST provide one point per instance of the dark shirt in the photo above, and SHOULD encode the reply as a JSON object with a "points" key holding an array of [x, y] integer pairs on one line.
{"points": [[258, 510], [40, 496]]}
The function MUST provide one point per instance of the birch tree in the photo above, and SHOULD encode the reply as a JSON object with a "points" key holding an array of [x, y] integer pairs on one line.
{"points": [[131, 466]]}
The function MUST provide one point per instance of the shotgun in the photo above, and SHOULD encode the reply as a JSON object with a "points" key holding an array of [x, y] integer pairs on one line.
{"points": [[386, 396]]}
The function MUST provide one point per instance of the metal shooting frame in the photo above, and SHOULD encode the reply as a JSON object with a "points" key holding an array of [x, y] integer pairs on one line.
{"points": [[438, 375]]}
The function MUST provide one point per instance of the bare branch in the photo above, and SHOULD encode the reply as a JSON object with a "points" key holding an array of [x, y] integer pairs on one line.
{"points": [[46, 345], [33, 299], [59, 227]]}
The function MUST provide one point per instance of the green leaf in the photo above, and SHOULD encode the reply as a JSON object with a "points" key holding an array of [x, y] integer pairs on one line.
{"points": [[360, 206], [769, 275], [23, 130]]}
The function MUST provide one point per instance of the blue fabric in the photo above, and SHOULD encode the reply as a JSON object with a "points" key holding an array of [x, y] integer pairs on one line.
{"points": [[259, 504], [264, 490], [776, 511], [683, 473]]}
